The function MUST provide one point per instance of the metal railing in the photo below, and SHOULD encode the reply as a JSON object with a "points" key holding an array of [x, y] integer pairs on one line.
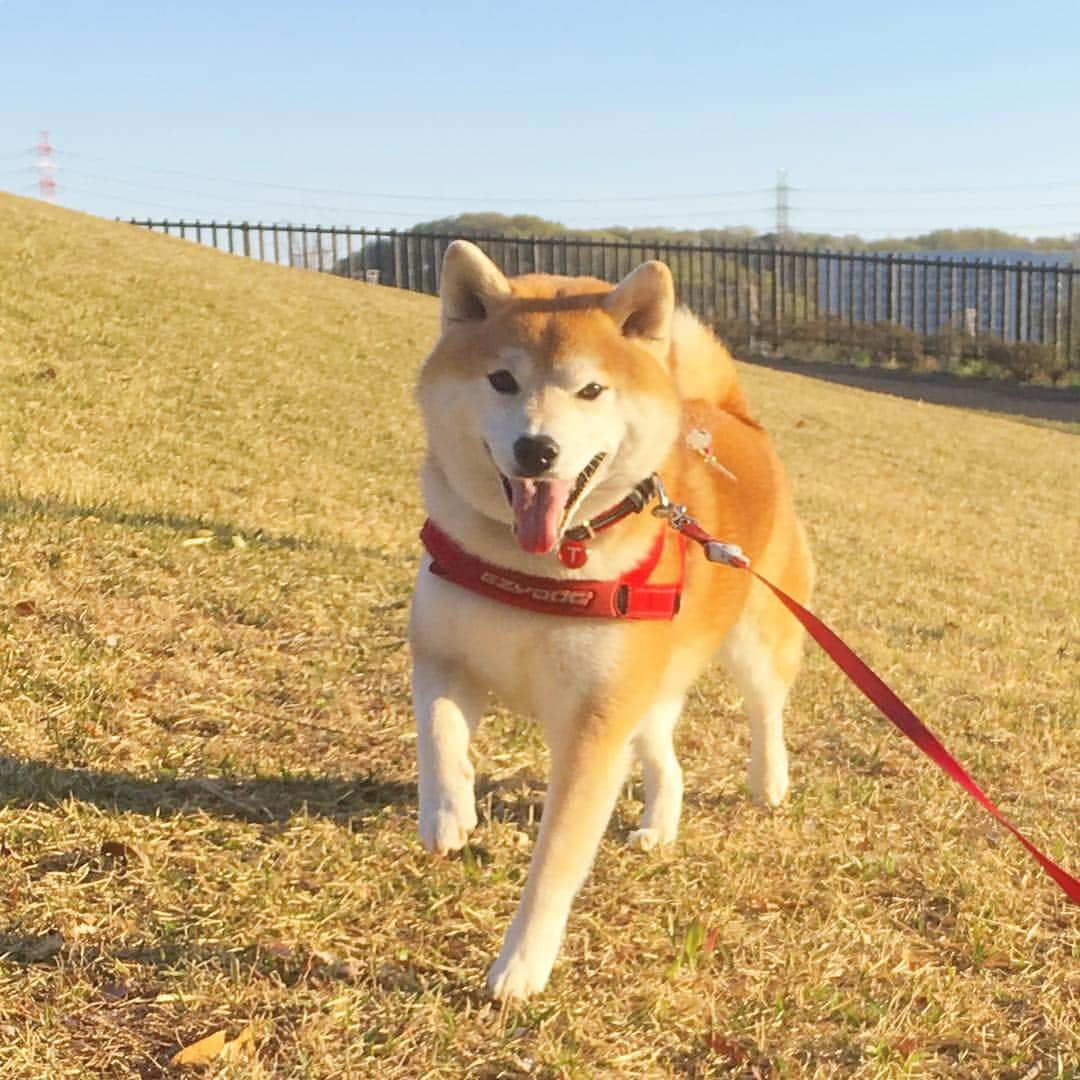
{"points": [[763, 295]]}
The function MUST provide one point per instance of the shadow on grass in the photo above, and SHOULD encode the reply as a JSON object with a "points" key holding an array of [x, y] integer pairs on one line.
{"points": [[264, 800], [223, 532]]}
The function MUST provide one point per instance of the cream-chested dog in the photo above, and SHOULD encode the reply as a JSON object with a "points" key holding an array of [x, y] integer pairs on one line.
{"points": [[550, 404]]}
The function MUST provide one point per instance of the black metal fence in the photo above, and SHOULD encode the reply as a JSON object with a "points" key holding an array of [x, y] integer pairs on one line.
{"points": [[905, 305]]}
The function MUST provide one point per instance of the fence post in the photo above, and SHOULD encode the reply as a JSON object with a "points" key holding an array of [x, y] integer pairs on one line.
{"points": [[1018, 320], [395, 242], [828, 293], [1070, 283]]}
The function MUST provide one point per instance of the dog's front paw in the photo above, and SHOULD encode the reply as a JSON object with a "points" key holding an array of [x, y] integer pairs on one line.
{"points": [[769, 779], [647, 839], [446, 820], [514, 978]]}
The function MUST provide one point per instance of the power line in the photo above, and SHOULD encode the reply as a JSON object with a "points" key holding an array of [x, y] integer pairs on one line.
{"points": [[556, 200], [273, 203], [308, 205], [935, 209], [782, 207], [938, 190], [1070, 226], [427, 197]]}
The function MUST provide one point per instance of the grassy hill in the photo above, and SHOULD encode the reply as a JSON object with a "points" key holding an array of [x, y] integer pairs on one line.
{"points": [[207, 536]]}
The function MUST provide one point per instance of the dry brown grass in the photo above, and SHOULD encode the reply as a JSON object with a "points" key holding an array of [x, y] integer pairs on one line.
{"points": [[207, 520]]}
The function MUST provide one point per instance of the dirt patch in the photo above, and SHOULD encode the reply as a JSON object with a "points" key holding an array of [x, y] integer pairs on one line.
{"points": [[1042, 402]]}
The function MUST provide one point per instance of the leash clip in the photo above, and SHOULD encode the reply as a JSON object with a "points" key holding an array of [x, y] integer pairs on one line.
{"points": [[675, 514], [665, 508], [680, 520]]}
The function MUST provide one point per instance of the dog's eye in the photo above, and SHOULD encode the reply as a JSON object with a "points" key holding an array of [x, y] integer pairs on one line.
{"points": [[591, 391], [504, 382]]}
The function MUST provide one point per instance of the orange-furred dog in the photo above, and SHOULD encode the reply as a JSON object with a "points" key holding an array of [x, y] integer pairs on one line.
{"points": [[546, 401]]}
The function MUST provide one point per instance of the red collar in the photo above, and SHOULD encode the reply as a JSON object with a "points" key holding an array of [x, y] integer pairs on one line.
{"points": [[629, 596]]}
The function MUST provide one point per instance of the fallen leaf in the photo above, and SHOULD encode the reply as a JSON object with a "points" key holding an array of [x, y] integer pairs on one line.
{"points": [[122, 853], [217, 1047], [242, 1048], [202, 1052], [25, 608]]}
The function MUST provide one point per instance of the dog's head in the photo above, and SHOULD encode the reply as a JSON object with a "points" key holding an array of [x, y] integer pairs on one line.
{"points": [[546, 399]]}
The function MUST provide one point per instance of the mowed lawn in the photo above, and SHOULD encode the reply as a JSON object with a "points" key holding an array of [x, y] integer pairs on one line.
{"points": [[208, 518]]}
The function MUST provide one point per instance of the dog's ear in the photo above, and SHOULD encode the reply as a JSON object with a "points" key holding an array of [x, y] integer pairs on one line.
{"points": [[470, 284], [642, 305]]}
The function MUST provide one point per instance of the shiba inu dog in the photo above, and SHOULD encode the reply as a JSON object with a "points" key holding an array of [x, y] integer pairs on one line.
{"points": [[551, 406]]}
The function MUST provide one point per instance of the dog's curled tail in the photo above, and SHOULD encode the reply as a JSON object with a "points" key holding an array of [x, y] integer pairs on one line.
{"points": [[703, 367]]}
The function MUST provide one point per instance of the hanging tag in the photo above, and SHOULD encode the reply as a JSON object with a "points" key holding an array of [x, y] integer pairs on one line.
{"points": [[700, 441], [572, 554]]}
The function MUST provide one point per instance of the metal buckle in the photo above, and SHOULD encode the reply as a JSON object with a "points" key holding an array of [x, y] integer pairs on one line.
{"points": [[675, 513]]}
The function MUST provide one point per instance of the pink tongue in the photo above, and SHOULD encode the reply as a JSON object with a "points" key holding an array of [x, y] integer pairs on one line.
{"points": [[538, 509]]}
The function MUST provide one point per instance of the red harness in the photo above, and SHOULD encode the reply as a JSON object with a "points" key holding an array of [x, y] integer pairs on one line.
{"points": [[630, 596]]}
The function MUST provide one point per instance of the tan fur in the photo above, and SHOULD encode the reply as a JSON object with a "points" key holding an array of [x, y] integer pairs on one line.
{"points": [[605, 692]]}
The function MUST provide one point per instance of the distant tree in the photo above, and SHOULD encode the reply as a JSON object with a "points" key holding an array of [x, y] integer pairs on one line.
{"points": [[378, 253], [492, 223]]}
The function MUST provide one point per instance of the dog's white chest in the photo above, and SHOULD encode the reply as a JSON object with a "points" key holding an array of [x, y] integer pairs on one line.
{"points": [[530, 661]]}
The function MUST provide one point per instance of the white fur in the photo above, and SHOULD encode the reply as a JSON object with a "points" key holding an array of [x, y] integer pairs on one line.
{"points": [[655, 750], [764, 694]]}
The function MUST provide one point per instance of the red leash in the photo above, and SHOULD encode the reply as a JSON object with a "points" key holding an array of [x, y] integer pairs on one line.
{"points": [[867, 681]]}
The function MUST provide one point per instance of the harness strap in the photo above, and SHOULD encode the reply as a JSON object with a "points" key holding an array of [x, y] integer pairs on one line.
{"points": [[630, 596]]}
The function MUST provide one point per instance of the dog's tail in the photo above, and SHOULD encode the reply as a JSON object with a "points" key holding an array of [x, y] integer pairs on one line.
{"points": [[704, 369]]}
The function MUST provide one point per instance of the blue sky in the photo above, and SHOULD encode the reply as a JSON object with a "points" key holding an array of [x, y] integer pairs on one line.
{"points": [[890, 118]]}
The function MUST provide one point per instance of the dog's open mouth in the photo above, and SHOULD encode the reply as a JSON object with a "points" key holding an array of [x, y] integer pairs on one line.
{"points": [[543, 507]]}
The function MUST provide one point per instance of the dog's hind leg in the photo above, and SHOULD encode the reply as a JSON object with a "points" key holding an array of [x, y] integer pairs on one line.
{"points": [[654, 748], [448, 706], [763, 658]]}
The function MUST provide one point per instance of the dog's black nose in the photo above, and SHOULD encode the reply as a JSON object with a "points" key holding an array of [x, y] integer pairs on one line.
{"points": [[535, 454]]}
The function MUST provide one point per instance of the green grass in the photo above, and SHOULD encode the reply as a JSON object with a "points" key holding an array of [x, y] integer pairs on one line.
{"points": [[208, 515]]}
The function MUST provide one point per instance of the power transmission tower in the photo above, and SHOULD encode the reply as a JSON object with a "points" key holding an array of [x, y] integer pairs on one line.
{"points": [[46, 168], [783, 224]]}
